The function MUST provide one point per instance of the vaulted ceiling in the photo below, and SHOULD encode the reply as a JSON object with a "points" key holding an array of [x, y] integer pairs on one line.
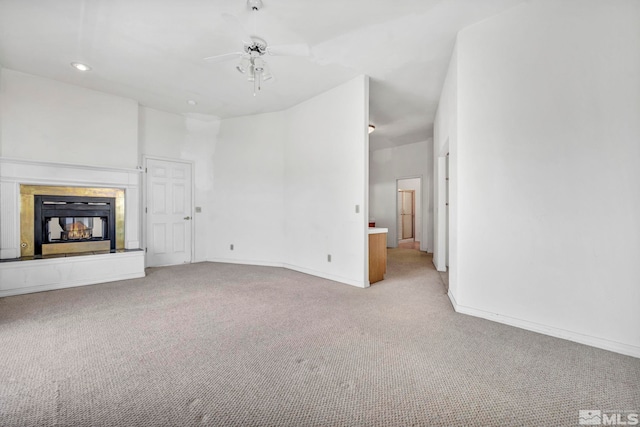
{"points": [[152, 51]]}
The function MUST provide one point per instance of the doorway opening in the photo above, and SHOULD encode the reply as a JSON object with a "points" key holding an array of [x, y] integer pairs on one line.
{"points": [[409, 213]]}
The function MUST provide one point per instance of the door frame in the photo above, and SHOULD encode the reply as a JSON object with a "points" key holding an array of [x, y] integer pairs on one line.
{"points": [[145, 159], [441, 242], [422, 223]]}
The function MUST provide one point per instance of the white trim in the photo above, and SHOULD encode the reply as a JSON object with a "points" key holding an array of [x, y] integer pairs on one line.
{"points": [[67, 182], [440, 237], [366, 181], [67, 165], [146, 157], [9, 220], [246, 262], [325, 276], [617, 347], [9, 253], [290, 267], [454, 303]]}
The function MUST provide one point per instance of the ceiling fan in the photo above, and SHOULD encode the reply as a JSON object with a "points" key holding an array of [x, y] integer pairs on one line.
{"points": [[254, 49]]}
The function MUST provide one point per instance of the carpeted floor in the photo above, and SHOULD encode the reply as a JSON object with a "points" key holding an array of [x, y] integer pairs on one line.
{"points": [[409, 244], [228, 345]]}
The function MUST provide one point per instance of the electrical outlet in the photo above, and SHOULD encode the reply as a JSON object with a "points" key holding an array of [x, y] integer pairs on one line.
{"points": [[231, 246], [329, 258]]}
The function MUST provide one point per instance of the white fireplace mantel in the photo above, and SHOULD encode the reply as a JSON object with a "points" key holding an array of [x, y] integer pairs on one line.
{"points": [[14, 172]]}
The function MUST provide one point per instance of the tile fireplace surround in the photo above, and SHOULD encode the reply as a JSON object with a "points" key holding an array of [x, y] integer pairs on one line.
{"points": [[19, 276]]}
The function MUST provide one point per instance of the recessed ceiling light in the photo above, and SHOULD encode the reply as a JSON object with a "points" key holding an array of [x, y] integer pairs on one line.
{"points": [[192, 102], [80, 66]]}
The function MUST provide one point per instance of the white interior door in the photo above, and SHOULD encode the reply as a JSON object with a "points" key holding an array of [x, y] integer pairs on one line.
{"points": [[168, 212]]}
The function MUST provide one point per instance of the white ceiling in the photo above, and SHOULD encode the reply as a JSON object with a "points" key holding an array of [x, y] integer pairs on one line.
{"points": [[152, 50]]}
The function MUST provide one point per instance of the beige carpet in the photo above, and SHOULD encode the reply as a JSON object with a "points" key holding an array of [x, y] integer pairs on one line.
{"points": [[409, 244], [228, 345]]}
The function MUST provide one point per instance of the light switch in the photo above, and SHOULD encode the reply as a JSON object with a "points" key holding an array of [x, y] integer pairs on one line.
{"points": [[198, 209]]}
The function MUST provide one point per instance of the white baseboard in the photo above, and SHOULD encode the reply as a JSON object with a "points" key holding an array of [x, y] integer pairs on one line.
{"points": [[454, 303], [292, 267], [246, 262], [325, 276], [616, 347], [440, 268]]}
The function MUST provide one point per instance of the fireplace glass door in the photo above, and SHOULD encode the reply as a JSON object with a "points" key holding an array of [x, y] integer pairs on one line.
{"points": [[68, 229]]}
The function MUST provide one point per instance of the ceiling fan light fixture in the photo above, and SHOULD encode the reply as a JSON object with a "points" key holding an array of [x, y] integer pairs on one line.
{"points": [[254, 48], [258, 67], [258, 73], [244, 65], [258, 64], [266, 73], [371, 128]]}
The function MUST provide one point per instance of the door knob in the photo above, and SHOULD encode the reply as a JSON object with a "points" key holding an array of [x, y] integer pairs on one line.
{"points": [[187, 217]]}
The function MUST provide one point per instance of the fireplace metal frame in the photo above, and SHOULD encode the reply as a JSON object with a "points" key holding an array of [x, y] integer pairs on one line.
{"points": [[27, 194], [75, 206]]}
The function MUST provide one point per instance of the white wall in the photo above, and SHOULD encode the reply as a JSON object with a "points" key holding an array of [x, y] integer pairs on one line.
{"points": [[326, 165], [46, 120], [286, 185], [388, 165], [248, 204], [445, 135], [240, 166], [191, 138], [2, 107], [548, 181]]}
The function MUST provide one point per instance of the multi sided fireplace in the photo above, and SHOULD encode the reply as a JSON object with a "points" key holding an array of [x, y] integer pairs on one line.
{"points": [[73, 224], [59, 221]]}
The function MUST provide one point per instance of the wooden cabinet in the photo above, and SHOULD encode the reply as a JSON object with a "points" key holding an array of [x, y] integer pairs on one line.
{"points": [[377, 256]]}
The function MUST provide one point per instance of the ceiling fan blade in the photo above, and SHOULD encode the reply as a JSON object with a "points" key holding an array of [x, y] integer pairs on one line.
{"points": [[223, 57], [242, 31], [289, 50]]}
